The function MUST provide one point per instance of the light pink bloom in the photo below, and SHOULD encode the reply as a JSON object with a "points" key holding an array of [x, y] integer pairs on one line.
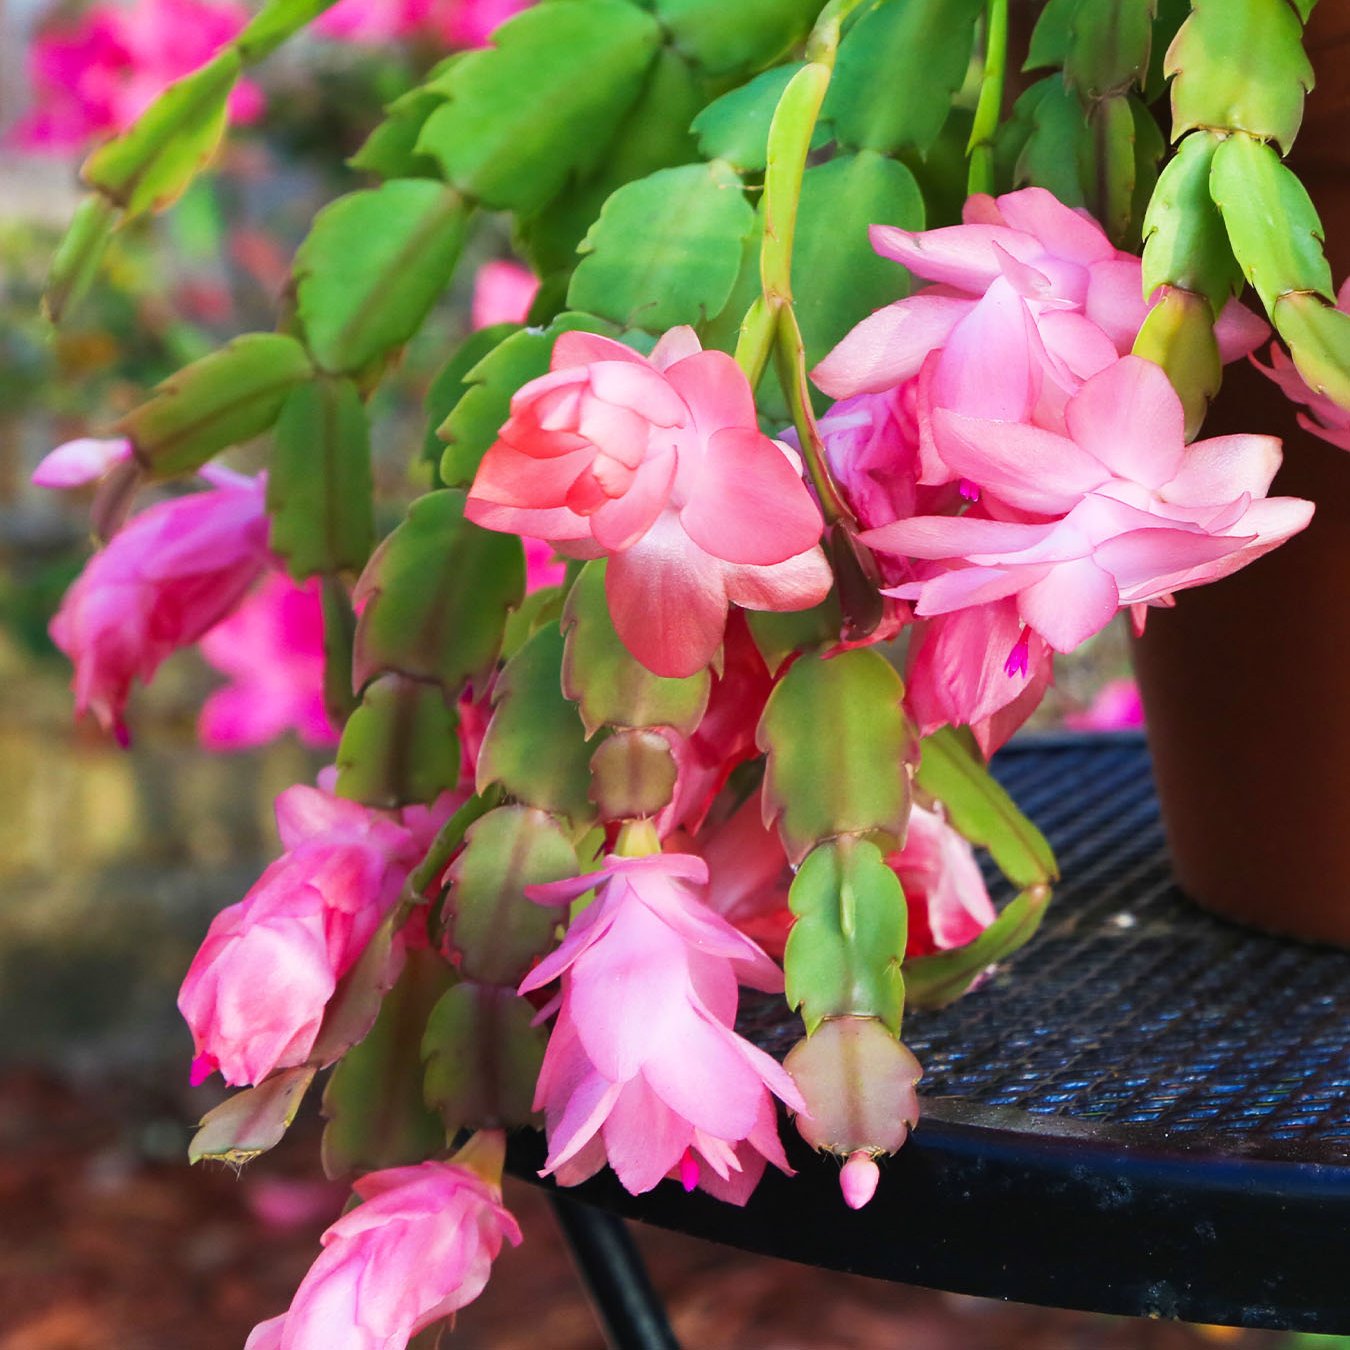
{"points": [[502, 293], [256, 991], [659, 464], [271, 647], [81, 462], [420, 1246], [95, 77], [643, 1069], [171, 574], [1324, 418], [1116, 707], [1143, 515], [948, 903], [1082, 297]]}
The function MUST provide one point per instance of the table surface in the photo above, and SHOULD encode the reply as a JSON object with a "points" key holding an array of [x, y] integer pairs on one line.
{"points": [[1146, 1111]]}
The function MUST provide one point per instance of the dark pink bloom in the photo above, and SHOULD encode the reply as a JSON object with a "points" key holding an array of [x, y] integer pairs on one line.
{"points": [[169, 576], [453, 23], [543, 567], [256, 991], [643, 1069], [419, 1246], [658, 464], [1324, 418], [271, 647], [95, 77], [502, 293]]}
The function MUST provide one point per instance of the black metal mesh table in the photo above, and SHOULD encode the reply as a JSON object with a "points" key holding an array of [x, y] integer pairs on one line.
{"points": [[1146, 1111]]}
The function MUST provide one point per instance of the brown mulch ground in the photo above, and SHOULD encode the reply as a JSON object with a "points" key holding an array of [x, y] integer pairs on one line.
{"points": [[107, 1242]]}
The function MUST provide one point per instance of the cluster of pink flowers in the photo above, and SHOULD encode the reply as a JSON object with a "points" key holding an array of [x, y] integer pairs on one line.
{"points": [[1021, 475], [94, 77]]}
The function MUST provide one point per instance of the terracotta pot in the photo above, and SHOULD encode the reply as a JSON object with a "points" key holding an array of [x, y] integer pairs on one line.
{"points": [[1246, 684]]}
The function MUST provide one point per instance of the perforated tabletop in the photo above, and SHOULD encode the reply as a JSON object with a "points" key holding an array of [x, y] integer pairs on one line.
{"points": [[1146, 1111]]}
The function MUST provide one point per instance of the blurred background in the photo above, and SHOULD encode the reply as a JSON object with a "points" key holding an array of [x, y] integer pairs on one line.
{"points": [[113, 862]]}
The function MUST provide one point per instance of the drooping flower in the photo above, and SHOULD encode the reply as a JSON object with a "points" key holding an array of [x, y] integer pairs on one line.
{"points": [[419, 1246], [271, 647], [1324, 418], [948, 903], [256, 991], [1135, 514], [643, 1069], [169, 576], [95, 77], [658, 464]]}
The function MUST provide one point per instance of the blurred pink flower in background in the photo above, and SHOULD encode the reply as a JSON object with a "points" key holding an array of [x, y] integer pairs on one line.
{"points": [[502, 293], [644, 1069], [271, 647], [95, 76], [1116, 707], [455, 23], [419, 1246]]}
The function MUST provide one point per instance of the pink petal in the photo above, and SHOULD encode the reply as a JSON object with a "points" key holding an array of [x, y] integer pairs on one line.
{"points": [[747, 503], [797, 583], [889, 346], [668, 601], [964, 256], [1072, 602], [1223, 467], [1115, 300], [1066, 233], [716, 391], [1130, 418], [578, 348], [1239, 332], [987, 368], [953, 537], [640, 389], [644, 1137], [675, 345], [620, 523], [1022, 465]]}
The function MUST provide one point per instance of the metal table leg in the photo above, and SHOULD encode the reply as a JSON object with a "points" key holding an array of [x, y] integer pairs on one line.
{"points": [[628, 1307]]}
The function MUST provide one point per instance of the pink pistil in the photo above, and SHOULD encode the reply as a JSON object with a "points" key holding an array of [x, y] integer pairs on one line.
{"points": [[688, 1171], [1020, 656]]}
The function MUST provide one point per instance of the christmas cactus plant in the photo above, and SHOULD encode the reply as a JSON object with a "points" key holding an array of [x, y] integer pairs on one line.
{"points": [[856, 386]]}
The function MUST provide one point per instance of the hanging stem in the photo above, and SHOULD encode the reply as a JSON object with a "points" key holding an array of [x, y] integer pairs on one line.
{"points": [[980, 147], [339, 634]]}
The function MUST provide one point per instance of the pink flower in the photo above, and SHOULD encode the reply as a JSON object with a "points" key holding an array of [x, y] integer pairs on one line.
{"points": [[1137, 513], [657, 463], [256, 991], [979, 668], [643, 1068], [502, 293], [271, 647], [171, 574], [95, 77], [420, 1246], [80, 463], [1324, 417], [542, 566], [1081, 301], [948, 903], [1116, 707], [471, 23]]}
